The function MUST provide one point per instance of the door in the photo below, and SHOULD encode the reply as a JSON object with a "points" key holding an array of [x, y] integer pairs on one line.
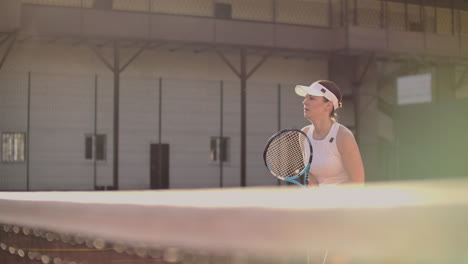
{"points": [[159, 166]]}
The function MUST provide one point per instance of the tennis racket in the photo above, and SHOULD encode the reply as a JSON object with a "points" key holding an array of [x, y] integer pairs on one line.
{"points": [[288, 155]]}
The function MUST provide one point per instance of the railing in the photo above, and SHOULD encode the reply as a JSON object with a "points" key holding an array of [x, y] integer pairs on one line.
{"points": [[401, 16], [312, 12]]}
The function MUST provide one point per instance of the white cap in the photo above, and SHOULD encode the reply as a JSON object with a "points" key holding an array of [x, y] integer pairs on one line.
{"points": [[318, 90]]}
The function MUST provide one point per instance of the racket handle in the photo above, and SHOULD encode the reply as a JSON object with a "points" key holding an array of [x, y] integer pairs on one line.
{"points": [[295, 182]]}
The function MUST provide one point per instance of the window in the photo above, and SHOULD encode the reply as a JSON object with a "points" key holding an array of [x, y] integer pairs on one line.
{"points": [[219, 149], [95, 147], [13, 146], [414, 89]]}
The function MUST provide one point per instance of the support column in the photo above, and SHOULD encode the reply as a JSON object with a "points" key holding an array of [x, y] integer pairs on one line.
{"points": [[7, 42], [116, 127], [243, 79], [117, 69], [243, 75]]}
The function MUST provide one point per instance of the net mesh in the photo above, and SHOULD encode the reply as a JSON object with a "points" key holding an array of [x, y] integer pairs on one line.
{"points": [[367, 224], [286, 155]]}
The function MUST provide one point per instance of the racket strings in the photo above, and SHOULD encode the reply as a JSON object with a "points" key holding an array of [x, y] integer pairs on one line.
{"points": [[286, 155]]}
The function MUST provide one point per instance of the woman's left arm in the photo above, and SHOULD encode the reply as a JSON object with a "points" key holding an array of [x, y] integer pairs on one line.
{"points": [[349, 150]]}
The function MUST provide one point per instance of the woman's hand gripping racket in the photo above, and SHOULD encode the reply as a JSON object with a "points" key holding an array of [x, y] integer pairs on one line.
{"points": [[288, 155]]}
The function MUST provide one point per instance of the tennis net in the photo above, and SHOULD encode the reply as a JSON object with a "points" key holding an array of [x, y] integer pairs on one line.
{"points": [[406, 222]]}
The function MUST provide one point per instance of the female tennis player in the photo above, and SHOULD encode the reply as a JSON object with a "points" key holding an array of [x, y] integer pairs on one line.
{"points": [[336, 158]]}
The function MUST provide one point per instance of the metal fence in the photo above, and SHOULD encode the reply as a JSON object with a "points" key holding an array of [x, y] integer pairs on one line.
{"points": [[312, 12], [394, 15], [63, 3], [403, 16]]}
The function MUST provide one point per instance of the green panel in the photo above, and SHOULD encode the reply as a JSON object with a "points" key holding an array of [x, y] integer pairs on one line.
{"points": [[454, 139], [432, 140]]}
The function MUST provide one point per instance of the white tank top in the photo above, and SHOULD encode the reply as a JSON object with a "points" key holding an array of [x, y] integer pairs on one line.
{"points": [[327, 165]]}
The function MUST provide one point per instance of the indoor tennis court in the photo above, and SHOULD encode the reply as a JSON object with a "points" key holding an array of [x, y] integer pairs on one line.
{"points": [[137, 131]]}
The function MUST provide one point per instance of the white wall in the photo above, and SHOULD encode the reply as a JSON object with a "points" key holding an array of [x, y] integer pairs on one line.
{"points": [[62, 112], [13, 116], [10, 15]]}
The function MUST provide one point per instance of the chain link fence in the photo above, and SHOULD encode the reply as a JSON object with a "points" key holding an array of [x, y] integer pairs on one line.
{"points": [[303, 12], [395, 15], [337, 13], [415, 21], [463, 23], [63, 3], [369, 13], [400, 16], [254, 10], [445, 23]]}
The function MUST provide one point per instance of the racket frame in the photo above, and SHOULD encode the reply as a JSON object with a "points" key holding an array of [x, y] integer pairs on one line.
{"points": [[305, 171]]}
